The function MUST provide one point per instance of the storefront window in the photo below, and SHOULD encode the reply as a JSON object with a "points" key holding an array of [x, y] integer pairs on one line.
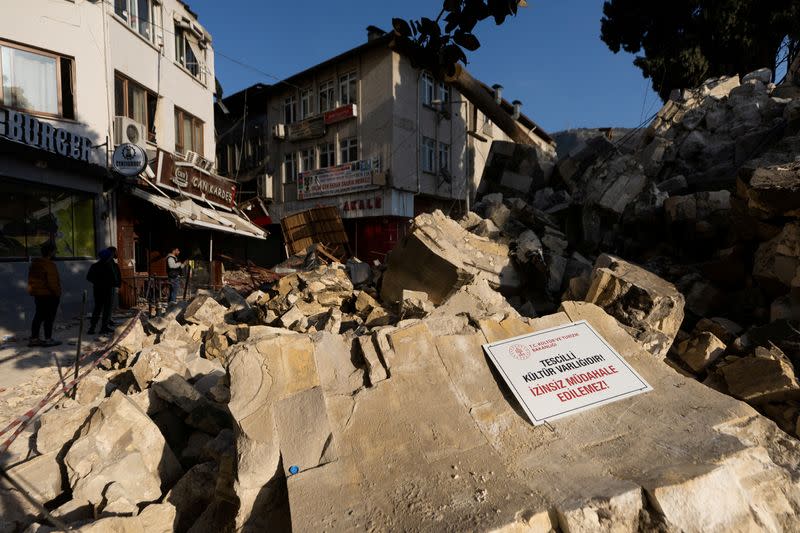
{"points": [[30, 216]]}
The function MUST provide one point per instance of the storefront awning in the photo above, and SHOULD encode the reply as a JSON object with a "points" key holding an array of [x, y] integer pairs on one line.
{"points": [[189, 213]]}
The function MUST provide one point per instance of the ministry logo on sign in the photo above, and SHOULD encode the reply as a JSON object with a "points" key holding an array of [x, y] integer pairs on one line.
{"points": [[519, 351]]}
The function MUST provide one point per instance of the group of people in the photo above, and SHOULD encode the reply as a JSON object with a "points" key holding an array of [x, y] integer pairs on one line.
{"points": [[44, 284]]}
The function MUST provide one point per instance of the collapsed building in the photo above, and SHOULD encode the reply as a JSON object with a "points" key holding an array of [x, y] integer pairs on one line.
{"points": [[337, 398]]}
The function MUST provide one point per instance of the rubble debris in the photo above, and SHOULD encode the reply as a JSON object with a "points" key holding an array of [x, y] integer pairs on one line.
{"points": [[204, 311], [768, 376], [108, 466], [700, 351], [299, 398], [438, 256], [649, 307]]}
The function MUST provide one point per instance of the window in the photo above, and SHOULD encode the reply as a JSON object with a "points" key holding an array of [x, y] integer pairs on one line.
{"points": [[444, 157], [290, 168], [327, 96], [135, 102], [254, 152], [307, 159], [348, 148], [348, 88], [141, 15], [443, 92], [327, 155], [428, 85], [34, 215], [189, 53], [428, 155], [306, 103], [37, 82], [188, 132], [289, 110]]}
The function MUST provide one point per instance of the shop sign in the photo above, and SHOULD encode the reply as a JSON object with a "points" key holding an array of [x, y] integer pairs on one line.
{"points": [[129, 159], [341, 179], [341, 113], [564, 371], [310, 128], [363, 204], [194, 182], [25, 129]]}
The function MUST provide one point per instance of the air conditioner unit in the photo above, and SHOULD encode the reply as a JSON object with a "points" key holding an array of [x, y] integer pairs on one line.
{"points": [[279, 131], [265, 189], [193, 158], [197, 160], [127, 130]]}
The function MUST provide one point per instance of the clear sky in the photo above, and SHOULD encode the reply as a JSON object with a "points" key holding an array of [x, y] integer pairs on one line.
{"points": [[549, 56]]}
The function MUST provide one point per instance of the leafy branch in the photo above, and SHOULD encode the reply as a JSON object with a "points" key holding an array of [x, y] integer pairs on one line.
{"points": [[439, 48]]}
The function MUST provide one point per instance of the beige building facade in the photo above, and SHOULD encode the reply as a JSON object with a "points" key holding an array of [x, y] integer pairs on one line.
{"points": [[91, 74], [370, 133]]}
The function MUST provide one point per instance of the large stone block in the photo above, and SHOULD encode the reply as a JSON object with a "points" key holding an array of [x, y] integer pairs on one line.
{"points": [[439, 256], [777, 261], [262, 372], [767, 376], [205, 311], [120, 446], [651, 308]]}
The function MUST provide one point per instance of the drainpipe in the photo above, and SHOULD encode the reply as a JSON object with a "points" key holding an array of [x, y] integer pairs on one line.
{"points": [[419, 131]]}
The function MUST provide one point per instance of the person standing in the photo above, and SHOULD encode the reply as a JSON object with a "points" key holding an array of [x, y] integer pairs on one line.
{"points": [[117, 282], [44, 285], [104, 277], [174, 271]]}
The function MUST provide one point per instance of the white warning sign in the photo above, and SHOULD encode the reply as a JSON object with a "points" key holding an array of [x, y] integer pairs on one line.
{"points": [[564, 370]]}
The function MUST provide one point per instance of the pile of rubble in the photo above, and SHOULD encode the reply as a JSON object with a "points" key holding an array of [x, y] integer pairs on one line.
{"points": [[707, 197], [316, 405], [342, 397]]}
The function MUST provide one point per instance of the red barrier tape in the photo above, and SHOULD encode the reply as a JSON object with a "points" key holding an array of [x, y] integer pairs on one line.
{"points": [[26, 418]]}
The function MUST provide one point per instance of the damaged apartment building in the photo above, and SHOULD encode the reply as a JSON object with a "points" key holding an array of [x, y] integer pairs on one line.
{"points": [[365, 131], [79, 79]]}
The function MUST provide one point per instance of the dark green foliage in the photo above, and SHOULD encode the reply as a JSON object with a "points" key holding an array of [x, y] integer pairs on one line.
{"points": [[439, 49], [683, 42]]}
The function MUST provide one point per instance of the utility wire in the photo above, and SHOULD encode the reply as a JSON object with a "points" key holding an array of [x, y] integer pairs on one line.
{"points": [[218, 53]]}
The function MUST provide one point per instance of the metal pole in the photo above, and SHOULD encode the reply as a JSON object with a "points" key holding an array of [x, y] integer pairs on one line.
{"points": [[80, 338]]}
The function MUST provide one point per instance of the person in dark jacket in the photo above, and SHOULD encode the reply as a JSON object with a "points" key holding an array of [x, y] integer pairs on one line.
{"points": [[174, 272], [104, 276], [44, 285]]}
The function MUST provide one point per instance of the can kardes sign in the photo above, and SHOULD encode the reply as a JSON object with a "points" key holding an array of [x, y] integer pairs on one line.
{"points": [[564, 370], [340, 179], [25, 129], [192, 181]]}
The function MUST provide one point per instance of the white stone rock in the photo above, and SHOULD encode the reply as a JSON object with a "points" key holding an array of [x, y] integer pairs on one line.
{"points": [[120, 444]]}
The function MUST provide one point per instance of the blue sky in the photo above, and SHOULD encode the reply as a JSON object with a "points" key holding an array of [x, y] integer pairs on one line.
{"points": [[549, 56]]}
